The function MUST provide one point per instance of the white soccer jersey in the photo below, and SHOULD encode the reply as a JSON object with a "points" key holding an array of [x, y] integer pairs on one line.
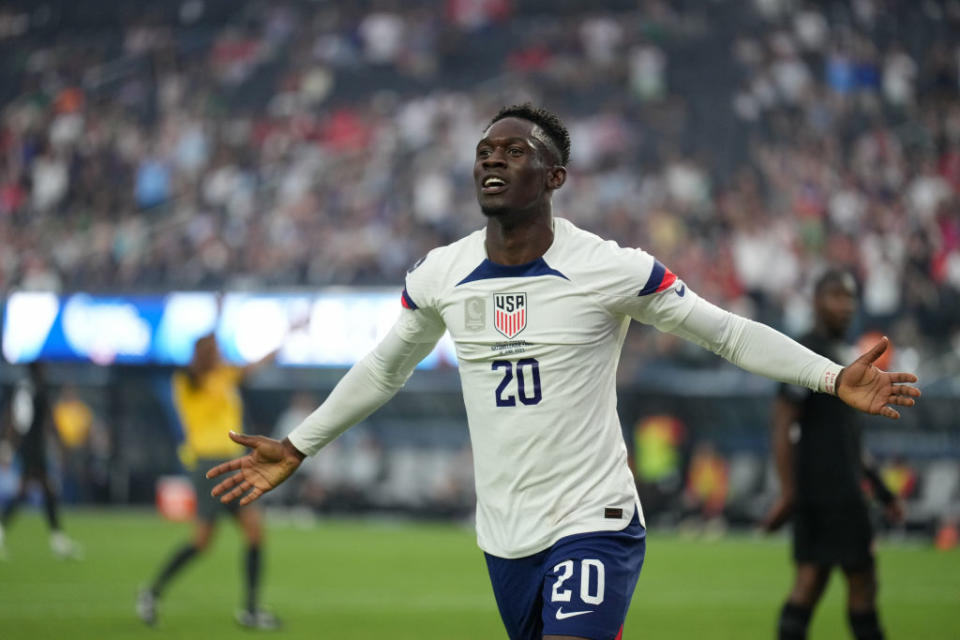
{"points": [[538, 346]]}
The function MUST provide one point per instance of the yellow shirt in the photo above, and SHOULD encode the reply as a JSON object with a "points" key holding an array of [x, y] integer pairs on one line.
{"points": [[73, 419], [207, 412]]}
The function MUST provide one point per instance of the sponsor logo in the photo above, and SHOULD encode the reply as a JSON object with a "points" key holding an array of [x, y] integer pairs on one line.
{"points": [[569, 614], [510, 313], [475, 314], [682, 289]]}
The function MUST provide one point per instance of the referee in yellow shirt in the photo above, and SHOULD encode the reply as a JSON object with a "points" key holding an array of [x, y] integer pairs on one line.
{"points": [[207, 399]]}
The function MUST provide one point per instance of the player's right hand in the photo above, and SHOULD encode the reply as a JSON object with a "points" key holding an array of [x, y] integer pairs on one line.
{"points": [[268, 464], [779, 513]]}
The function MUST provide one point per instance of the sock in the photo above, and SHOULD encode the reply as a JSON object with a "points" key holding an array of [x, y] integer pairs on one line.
{"points": [[50, 506], [793, 622], [865, 625], [253, 576], [183, 555]]}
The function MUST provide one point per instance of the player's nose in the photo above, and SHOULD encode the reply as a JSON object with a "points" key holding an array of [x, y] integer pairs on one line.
{"points": [[495, 159]]}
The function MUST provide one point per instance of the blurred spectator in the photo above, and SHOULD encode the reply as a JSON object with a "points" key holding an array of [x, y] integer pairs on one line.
{"points": [[86, 445], [707, 481], [658, 457], [900, 477]]}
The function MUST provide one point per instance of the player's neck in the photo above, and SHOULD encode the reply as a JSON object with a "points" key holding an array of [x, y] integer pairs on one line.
{"points": [[521, 242]]}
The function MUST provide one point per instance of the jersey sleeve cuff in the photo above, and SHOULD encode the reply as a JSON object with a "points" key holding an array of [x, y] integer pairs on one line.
{"points": [[300, 443], [828, 381]]}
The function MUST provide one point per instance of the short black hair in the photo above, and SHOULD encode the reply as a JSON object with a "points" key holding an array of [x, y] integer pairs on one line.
{"points": [[834, 275], [546, 120]]}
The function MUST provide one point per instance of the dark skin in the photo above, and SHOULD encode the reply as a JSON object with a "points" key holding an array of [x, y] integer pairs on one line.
{"points": [[519, 229], [834, 308], [520, 213]]}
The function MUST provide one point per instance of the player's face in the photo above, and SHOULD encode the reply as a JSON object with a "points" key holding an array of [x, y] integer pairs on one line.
{"points": [[206, 354], [836, 305], [513, 171]]}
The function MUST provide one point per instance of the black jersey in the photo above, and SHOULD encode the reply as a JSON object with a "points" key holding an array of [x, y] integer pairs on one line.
{"points": [[31, 411], [827, 455]]}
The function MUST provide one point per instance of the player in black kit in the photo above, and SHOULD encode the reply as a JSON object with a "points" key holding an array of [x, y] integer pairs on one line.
{"points": [[30, 417], [817, 448]]}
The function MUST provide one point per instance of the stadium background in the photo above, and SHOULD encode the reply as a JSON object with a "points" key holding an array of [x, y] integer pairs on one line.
{"points": [[293, 152]]}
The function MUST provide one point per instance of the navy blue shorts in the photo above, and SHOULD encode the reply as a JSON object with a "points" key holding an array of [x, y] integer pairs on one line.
{"points": [[581, 586]]}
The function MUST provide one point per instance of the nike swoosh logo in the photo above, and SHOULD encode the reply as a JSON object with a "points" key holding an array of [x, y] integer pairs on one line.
{"points": [[570, 614], [682, 290]]}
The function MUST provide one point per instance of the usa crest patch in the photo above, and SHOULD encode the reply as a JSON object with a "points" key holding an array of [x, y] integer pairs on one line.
{"points": [[510, 313]]}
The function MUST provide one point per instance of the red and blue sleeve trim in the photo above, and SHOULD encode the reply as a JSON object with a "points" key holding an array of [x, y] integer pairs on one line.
{"points": [[660, 279], [407, 301]]}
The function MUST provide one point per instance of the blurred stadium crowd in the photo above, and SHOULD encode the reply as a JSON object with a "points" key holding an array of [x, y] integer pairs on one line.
{"points": [[216, 144]]}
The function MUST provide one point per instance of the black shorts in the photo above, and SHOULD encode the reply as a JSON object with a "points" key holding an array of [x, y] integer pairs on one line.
{"points": [[209, 508], [33, 461], [833, 535]]}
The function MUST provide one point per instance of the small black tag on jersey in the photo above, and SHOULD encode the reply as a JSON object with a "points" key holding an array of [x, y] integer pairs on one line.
{"points": [[612, 513]]}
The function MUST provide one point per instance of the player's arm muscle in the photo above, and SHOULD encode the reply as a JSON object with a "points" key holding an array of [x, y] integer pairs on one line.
{"points": [[370, 383]]}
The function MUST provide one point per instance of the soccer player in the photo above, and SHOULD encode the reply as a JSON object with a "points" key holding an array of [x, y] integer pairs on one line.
{"points": [[538, 310], [31, 420], [208, 402], [819, 457]]}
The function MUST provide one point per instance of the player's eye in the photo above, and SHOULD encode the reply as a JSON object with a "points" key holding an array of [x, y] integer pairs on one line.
{"points": [[483, 153], [516, 151]]}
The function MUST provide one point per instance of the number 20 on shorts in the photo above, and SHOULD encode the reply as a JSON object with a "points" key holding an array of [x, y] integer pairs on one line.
{"points": [[588, 568]]}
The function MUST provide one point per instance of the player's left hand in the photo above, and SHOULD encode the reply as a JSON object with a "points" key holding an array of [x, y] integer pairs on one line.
{"points": [[864, 386], [894, 511]]}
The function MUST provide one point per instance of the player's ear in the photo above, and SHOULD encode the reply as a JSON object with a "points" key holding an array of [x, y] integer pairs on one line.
{"points": [[556, 176]]}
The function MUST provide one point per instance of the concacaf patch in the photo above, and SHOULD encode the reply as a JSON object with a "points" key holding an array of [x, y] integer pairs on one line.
{"points": [[510, 313]]}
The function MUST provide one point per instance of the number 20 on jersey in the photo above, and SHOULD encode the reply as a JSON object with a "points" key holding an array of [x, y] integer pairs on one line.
{"points": [[521, 381]]}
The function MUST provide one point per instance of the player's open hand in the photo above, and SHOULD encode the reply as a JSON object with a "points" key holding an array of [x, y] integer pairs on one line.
{"points": [[864, 386], [268, 464]]}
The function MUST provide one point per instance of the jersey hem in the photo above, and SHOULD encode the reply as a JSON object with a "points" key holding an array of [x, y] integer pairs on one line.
{"points": [[593, 526]]}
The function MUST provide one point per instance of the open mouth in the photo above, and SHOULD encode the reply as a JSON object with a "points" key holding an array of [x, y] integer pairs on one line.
{"points": [[493, 184]]}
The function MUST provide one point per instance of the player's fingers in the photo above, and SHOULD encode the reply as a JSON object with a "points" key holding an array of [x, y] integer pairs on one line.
{"points": [[223, 467], [245, 440], [876, 350], [889, 412], [901, 376], [227, 483], [906, 390], [903, 401], [250, 497], [236, 492]]}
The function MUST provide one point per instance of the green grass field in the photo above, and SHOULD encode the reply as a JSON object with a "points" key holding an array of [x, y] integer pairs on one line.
{"points": [[353, 580]]}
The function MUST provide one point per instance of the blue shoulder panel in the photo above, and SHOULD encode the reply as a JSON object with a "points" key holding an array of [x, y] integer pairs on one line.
{"points": [[655, 279], [488, 270]]}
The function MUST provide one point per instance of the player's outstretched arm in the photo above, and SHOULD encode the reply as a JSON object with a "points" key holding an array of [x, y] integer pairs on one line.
{"points": [[864, 386], [762, 350], [268, 464]]}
